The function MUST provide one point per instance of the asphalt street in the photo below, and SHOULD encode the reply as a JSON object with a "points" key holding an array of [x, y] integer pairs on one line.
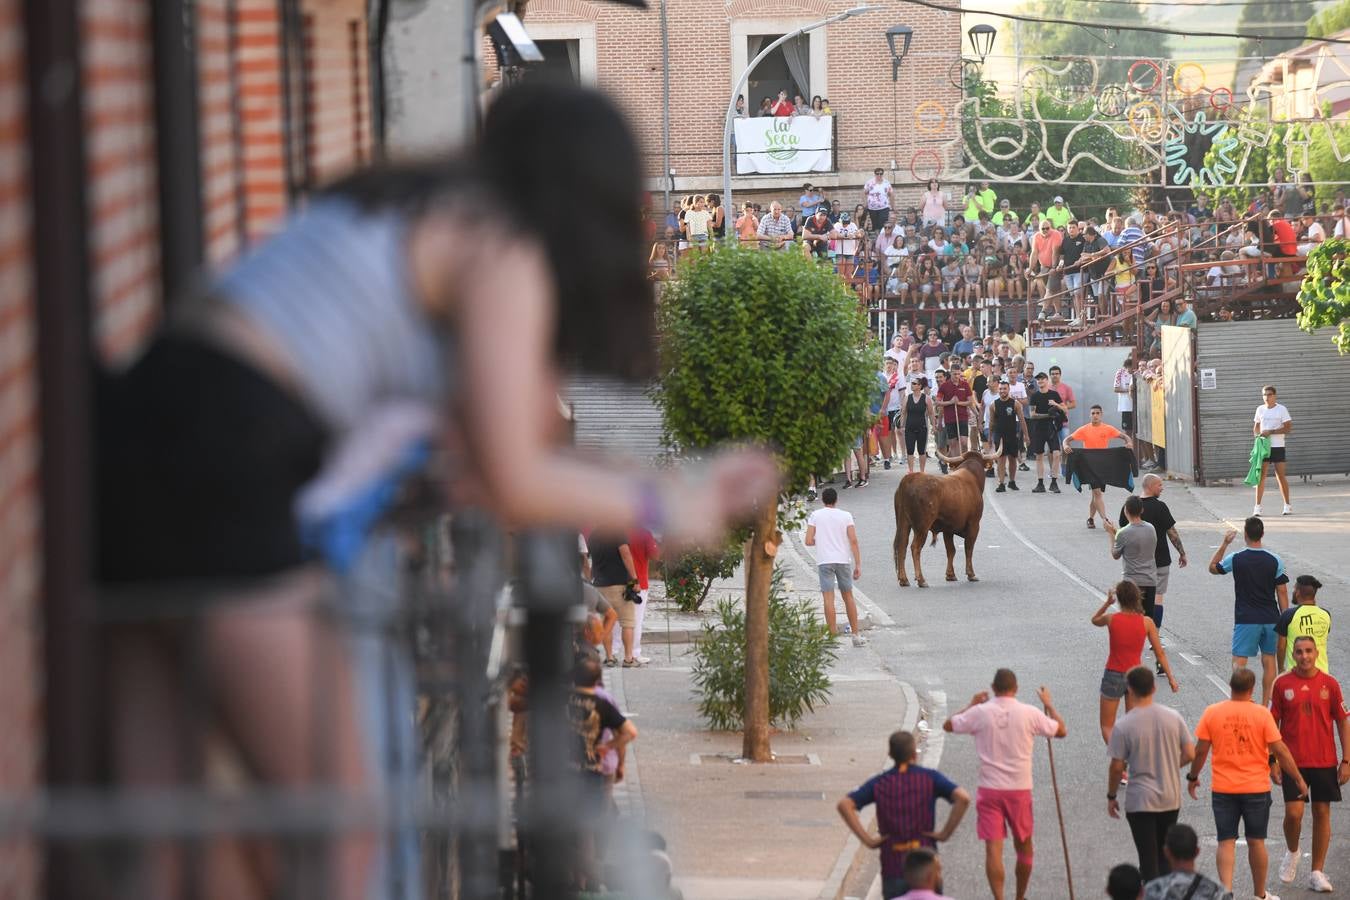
{"points": [[1042, 575]]}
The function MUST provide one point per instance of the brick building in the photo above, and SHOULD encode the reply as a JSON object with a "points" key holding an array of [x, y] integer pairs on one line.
{"points": [[620, 50], [247, 103]]}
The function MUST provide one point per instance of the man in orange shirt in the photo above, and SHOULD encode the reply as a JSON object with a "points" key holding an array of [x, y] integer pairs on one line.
{"points": [[1096, 435], [1242, 736]]}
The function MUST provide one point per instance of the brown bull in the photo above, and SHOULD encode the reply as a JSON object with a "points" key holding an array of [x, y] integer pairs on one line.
{"points": [[950, 504]]}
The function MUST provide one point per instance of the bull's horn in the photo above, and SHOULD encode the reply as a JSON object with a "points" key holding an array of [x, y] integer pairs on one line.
{"points": [[945, 459]]}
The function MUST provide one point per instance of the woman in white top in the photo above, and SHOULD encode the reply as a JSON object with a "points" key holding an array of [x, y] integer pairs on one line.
{"points": [[696, 222], [934, 209]]}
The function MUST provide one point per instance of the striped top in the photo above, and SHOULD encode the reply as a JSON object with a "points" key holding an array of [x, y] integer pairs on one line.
{"points": [[906, 807], [332, 289]]}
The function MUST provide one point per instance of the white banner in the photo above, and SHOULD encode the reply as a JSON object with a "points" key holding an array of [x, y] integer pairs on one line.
{"points": [[778, 145]]}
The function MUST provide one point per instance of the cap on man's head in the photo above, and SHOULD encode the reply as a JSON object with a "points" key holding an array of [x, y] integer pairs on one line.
{"points": [[1059, 199], [1004, 380], [845, 217]]}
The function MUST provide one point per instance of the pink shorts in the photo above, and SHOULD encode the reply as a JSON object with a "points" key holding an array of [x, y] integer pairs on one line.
{"points": [[994, 807]]}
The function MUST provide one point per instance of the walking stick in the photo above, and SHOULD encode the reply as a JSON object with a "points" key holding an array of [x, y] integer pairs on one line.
{"points": [[1063, 839]]}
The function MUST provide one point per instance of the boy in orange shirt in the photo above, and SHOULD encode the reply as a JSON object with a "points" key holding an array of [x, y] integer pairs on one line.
{"points": [[1242, 736]]}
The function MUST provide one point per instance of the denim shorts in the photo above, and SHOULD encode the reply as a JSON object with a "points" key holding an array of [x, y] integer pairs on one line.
{"points": [[835, 572], [1113, 685], [1253, 810], [1249, 639]]}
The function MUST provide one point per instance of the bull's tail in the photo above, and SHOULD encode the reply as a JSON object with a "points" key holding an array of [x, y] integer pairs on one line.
{"points": [[901, 541]]}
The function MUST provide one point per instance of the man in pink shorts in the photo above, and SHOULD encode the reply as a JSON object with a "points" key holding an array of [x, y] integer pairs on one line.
{"points": [[1005, 731]]}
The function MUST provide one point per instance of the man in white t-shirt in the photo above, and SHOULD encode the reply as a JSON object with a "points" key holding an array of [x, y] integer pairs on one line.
{"points": [[1313, 235], [1123, 386], [845, 235], [1272, 420], [838, 559]]}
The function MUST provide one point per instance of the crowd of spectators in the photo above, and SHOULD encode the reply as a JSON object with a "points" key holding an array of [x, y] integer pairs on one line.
{"points": [[971, 250]]}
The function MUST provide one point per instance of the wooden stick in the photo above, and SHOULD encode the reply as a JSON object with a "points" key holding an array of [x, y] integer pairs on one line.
{"points": [[1063, 838]]}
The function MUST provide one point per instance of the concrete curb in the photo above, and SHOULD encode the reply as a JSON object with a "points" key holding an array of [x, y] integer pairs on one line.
{"points": [[854, 853]]}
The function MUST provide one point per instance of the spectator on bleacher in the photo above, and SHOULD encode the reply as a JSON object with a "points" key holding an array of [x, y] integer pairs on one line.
{"points": [[1285, 239], [966, 345], [809, 200], [1225, 214], [697, 221], [1313, 234], [1096, 260], [1033, 214], [910, 221], [1011, 236], [1017, 272], [937, 243], [1003, 213], [1059, 214], [1134, 230], [775, 228], [800, 106], [816, 234], [1185, 314], [972, 279], [888, 238], [1071, 251], [718, 227], [1340, 214], [951, 281], [765, 107], [934, 203], [927, 281], [877, 195], [747, 225], [1199, 210], [783, 107], [658, 262], [845, 236], [1046, 259], [817, 107], [984, 225], [900, 280]]}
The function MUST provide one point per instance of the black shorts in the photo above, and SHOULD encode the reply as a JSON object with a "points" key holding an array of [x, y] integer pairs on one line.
{"points": [[879, 217], [1126, 420], [953, 427], [200, 458], [1012, 443], [1044, 439], [1323, 785], [891, 416], [916, 441], [1276, 455]]}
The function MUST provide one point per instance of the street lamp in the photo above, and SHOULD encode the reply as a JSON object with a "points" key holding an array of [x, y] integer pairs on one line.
{"points": [[899, 35], [982, 39], [740, 83]]}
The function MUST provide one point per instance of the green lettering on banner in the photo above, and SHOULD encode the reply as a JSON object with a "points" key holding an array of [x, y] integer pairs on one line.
{"points": [[780, 141]]}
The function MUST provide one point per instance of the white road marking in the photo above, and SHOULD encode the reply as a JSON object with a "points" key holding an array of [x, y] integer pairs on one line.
{"points": [[1191, 658], [1218, 683], [1068, 573]]}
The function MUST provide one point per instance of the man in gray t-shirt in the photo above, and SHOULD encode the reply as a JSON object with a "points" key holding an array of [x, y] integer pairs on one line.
{"points": [[1153, 743], [1135, 545]]}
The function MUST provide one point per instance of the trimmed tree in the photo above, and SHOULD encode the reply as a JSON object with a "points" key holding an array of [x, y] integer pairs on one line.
{"points": [[1324, 295], [768, 348]]}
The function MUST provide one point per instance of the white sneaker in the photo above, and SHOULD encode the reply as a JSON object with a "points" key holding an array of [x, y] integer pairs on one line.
{"points": [[859, 641], [1319, 883], [1256, 510], [1289, 867], [1268, 896], [1288, 510]]}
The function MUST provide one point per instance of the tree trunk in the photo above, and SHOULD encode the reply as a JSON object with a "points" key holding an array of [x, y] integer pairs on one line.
{"points": [[758, 573]]}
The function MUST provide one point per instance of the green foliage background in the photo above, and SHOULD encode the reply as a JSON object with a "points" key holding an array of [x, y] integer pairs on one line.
{"points": [[1330, 20], [1324, 295], [765, 347], [800, 653], [689, 577], [1048, 39], [1261, 165], [1285, 20], [1082, 199]]}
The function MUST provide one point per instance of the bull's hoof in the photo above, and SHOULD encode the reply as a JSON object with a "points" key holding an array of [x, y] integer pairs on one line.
{"points": [[951, 576], [921, 583], [972, 577], [904, 582]]}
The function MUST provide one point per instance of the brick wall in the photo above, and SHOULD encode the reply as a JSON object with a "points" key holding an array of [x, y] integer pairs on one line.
{"points": [[337, 125], [628, 66], [20, 558]]}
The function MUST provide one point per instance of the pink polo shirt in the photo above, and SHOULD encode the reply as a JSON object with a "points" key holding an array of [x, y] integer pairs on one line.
{"points": [[1005, 731]]}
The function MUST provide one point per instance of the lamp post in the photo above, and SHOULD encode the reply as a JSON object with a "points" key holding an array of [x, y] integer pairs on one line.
{"points": [[740, 84], [982, 39], [898, 37]]}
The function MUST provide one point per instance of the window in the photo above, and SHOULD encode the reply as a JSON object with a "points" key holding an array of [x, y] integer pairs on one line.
{"points": [[562, 62], [776, 71]]}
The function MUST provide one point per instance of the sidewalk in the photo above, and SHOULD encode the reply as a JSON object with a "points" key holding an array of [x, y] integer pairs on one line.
{"points": [[757, 831], [1313, 539]]}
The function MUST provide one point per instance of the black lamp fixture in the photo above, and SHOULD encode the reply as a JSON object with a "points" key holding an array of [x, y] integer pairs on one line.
{"points": [[899, 37], [982, 39]]}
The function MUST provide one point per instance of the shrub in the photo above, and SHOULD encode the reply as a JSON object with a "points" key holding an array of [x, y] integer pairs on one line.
{"points": [[689, 577], [800, 653], [1324, 295]]}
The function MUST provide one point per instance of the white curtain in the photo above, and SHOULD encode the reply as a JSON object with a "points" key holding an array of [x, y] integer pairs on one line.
{"points": [[574, 57], [797, 52]]}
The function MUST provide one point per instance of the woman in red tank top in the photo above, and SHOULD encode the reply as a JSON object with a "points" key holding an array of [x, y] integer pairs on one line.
{"points": [[1128, 630]]}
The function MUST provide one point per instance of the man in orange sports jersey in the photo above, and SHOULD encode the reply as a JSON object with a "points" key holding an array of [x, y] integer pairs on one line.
{"points": [[1096, 435]]}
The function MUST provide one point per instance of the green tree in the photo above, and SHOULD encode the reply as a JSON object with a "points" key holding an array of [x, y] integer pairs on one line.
{"points": [[1323, 166], [1054, 39], [768, 348], [1330, 20], [1324, 295], [1281, 23]]}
